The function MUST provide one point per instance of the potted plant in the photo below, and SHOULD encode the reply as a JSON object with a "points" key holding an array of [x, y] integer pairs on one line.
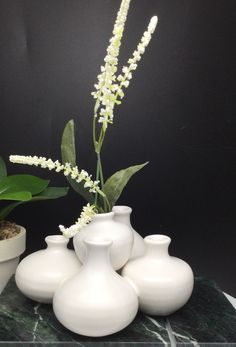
{"points": [[18, 189]]}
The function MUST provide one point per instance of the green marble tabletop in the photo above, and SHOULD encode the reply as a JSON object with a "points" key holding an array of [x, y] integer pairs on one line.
{"points": [[208, 319]]}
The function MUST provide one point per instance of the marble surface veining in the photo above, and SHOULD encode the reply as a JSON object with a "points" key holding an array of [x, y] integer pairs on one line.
{"points": [[208, 319]]}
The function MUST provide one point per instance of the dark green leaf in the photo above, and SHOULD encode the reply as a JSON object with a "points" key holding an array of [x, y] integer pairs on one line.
{"points": [[18, 196], [68, 155], [47, 194], [3, 169], [15, 183], [51, 193], [115, 184]]}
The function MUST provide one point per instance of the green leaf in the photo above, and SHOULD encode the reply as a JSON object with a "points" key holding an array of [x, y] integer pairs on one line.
{"points": [[18, 196], [68, 155], [18, 183], [115, 184], [3, 169], [68, 152], [48, 194], [51, 193]]}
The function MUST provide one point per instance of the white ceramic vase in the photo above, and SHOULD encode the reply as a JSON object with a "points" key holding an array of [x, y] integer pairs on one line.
{"points": [[122, 215], [39, 274], [10, 251], [97, 301], [163, 283], [104, 226]]}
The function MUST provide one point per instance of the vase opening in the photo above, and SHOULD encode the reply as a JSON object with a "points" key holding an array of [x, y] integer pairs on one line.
{"points": [[160, 239], [103, 216], [121, 209]]}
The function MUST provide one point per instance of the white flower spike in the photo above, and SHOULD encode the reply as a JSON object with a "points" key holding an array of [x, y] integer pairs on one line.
{"points": [[86, 216], [68, 170], [109, 87]]}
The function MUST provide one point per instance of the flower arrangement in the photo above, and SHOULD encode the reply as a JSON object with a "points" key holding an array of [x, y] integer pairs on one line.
{"points": [[109, 91]]}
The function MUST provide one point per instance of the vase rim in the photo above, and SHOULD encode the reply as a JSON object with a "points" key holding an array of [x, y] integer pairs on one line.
{"points": [[103, 215], [56, 239], [120, 209], [157, 239]]}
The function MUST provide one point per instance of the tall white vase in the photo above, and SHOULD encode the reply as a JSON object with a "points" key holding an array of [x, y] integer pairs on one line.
{"points": [[39, 274], [97, 301], [103, 226], [122, 215], [163, 283]]}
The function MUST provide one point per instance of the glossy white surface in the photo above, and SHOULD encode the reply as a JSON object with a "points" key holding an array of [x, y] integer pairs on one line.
{"points": [[163, 283], [122, 215], [10, 251], [39, 274], [97, 301], [103, 226]]}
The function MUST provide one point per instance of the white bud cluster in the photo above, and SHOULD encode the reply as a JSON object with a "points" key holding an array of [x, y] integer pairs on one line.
{"points": [[109, 89], [68, 170], [86, 215], [106, 88]]}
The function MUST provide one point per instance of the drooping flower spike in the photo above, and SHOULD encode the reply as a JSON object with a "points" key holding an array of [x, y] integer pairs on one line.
{"points": [[68, 170], [86, 215]]}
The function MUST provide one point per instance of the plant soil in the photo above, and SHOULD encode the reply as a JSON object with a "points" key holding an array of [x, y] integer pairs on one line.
{"points": [[8, 230]]}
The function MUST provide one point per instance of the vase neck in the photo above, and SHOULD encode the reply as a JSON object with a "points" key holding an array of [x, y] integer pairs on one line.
{"points": [[122, 214], [157, 246], [102, 217], [98, 254], [56, 242]]}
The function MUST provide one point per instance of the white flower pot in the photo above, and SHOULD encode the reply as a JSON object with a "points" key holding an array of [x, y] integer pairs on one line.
{"points": [[97, 301], [163, 283], [122, 215], [103, 226], [39, 274], [10, 251]]}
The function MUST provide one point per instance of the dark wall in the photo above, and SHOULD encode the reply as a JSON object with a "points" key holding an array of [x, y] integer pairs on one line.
{"points": [[178, 113]]}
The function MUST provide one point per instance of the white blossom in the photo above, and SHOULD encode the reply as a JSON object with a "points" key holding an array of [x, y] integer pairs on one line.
{"points": [[106, 87], [68, 170], [86, 215], [136, 57]]}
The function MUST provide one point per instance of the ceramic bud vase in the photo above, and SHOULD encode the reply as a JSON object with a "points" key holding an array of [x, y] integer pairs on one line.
{"points": [[104, 226], [122, 215], [163, 283], [97, 301], [39, 274]]}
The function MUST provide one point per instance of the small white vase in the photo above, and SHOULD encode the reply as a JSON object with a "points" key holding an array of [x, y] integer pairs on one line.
{"points": [[163, 283], [39, 274], [97, 301], [122, 215], [104, 226], [10, 251]]}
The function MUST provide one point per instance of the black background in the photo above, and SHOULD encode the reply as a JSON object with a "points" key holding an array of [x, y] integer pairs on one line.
{"points": [[178, 113]]}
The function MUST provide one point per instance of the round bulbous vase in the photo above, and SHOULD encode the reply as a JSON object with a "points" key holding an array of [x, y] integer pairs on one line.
{"points": [[163, 283], [97, 301], [122, 215], [40, 273], [104, 226]]}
